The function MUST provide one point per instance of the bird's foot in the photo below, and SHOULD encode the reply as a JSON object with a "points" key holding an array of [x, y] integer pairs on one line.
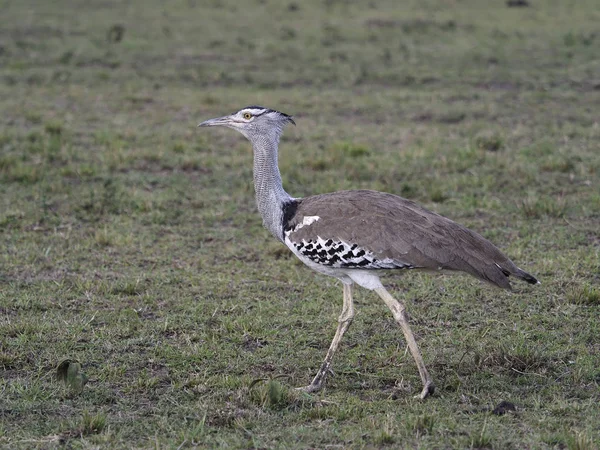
{"points": [[428, 390], [318, 381], [310, 389]]}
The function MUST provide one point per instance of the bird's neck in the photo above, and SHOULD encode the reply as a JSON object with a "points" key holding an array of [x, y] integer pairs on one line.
{"points": [[270, 195]]}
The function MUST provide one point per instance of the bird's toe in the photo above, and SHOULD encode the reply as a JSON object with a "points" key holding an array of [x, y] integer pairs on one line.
{"points": [[310, 389], [427, 391]]}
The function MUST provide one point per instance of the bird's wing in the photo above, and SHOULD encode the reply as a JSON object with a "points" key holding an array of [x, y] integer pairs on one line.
{"points": [[395, 232]]}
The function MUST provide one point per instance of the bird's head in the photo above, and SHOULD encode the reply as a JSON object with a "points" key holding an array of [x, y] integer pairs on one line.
{"points": [[254, 122]]}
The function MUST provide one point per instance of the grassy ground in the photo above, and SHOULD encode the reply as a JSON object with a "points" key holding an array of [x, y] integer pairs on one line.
{"points": [[131, 247]]}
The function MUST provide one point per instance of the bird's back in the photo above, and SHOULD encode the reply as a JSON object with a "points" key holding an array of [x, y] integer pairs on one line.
{"points": [[373, 230]]}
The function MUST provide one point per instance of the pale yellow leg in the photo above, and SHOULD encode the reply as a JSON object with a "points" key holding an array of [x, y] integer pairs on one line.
{"points": [[344, 322], [398, 310]]}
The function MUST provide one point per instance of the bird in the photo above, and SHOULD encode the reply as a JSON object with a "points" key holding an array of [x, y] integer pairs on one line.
{"points": [[355, 235]]}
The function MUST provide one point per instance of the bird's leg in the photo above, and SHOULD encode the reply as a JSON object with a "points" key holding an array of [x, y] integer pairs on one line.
{"points": [[344, 322], [398, 310]]}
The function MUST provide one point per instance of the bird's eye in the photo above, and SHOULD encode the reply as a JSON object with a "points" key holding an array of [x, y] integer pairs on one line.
{"points": [[247, 116]]}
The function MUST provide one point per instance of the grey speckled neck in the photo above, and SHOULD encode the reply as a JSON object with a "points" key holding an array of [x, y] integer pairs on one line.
{"points": [[270, 195]]}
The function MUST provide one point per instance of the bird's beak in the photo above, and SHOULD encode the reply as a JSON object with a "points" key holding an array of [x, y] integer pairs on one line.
{"points": [[219, 121]]}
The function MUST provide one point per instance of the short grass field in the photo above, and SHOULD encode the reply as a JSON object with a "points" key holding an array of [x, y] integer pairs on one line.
{"points": [[142, 304]]}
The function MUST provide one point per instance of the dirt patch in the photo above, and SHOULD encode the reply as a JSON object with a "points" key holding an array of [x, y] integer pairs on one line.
{"points": [[410, 26], [503, 408], [251, 344]]}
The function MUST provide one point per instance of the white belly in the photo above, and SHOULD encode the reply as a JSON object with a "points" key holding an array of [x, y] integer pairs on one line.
{"points": [[365, 278]]}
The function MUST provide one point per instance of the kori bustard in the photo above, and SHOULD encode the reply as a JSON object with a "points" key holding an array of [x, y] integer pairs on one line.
{"points": [[353, 235]]}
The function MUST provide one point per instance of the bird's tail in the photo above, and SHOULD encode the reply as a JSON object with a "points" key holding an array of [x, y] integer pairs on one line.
{"points": [[525, 276], [516, 272]]}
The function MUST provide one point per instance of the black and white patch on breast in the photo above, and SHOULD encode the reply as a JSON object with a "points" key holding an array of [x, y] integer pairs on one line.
{"points": [[288, 212], [340, 254]]}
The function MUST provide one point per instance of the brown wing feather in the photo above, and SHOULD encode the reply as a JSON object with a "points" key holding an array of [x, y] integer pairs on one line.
{"points": [[396, 228]]}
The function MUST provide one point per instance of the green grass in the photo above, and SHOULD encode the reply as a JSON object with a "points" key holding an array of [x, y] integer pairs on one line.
{"points": [[133, 256]]}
